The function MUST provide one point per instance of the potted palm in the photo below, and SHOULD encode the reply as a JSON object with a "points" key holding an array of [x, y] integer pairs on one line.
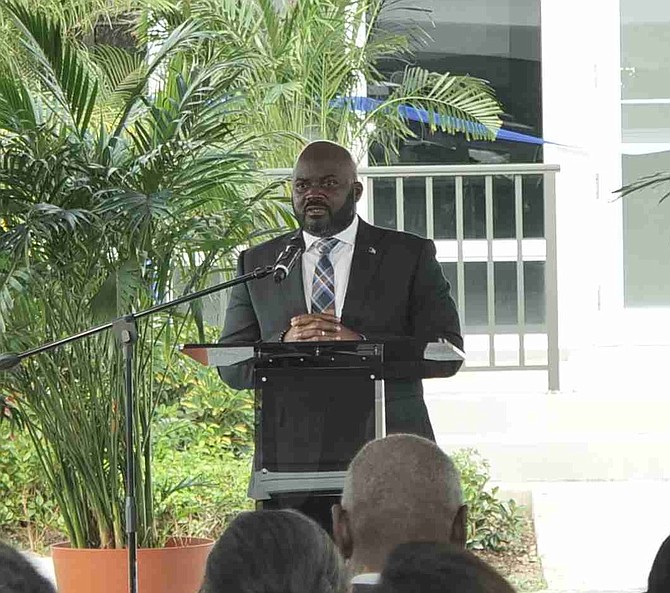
{"points": [[122, 177], [111, 195]]}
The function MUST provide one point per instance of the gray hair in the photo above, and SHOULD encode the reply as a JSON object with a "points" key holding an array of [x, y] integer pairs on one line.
{"points": [[401, 488]]}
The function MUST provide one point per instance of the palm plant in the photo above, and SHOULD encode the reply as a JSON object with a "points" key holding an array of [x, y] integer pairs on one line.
{"points": [[110, 197], [313, 57], [659, 182]]}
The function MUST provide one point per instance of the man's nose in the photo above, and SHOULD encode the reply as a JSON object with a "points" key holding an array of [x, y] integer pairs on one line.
{"points": [[314, 190]]}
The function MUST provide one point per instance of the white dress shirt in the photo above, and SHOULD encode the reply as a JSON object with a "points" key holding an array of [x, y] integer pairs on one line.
{"points": [[340, 257]]}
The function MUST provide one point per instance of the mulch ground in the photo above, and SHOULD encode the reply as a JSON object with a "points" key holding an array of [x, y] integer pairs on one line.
{"points": [[519, 563]]}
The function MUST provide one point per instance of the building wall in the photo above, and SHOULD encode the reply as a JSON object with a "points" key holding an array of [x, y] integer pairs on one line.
{"points": [[581, 113]]}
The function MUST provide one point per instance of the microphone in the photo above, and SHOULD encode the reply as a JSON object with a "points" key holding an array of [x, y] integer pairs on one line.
{"points": [[287, 258], [8, 361]]}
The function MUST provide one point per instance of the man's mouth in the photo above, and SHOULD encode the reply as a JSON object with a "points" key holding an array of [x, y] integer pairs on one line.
{"points": [[316, 210]]}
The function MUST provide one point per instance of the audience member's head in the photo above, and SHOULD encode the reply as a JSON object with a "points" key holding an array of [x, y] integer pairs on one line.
{"points": [[271, 551], [659, 577], [398, 489], [424, 567], [17, 575]]}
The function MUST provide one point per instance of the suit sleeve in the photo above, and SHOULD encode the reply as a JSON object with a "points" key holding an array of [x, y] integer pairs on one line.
{"points": [[433, 313], [240, 326]]}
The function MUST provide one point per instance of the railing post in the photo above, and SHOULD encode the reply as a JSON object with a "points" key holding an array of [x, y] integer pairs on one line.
{"points": [[551, 281]]}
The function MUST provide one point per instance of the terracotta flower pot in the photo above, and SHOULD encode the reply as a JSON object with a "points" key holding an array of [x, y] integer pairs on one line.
{"points": [[177, 568]]}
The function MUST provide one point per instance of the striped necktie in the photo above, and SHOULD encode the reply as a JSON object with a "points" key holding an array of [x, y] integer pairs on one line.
{"points": [[323, 283]]}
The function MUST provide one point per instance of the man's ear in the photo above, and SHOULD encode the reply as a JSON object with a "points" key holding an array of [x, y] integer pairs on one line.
{"points": [[459, 528], [358, 190], [342, 531]]}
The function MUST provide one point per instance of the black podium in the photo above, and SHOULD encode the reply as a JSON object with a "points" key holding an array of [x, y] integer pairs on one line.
{"points": [[317, 404]]}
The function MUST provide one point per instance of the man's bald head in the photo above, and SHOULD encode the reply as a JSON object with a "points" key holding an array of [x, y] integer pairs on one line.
{"points": [[327, 151], [398, 489]]}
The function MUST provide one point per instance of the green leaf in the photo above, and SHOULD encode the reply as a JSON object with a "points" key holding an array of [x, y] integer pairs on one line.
{"points": [[118, 292]]}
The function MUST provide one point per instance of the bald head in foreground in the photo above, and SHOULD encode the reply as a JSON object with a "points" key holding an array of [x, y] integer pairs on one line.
{"points": [[399, 489]]}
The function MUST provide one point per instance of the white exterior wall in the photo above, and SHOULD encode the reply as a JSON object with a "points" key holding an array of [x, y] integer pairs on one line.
{"points": [[581, 60], [581, 110]]}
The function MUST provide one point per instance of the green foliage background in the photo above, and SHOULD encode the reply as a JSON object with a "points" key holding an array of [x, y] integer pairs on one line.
{"points": [[125, 173]]}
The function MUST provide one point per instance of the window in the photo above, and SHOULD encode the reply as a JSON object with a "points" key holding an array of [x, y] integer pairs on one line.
{"points": [[645, 123], [497, 40]]}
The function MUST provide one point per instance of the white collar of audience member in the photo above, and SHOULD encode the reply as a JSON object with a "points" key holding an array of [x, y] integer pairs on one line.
{"points": [[348, 235], [366, 578]]}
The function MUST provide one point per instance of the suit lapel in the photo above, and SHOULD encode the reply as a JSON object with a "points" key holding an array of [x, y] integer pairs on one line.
{"points": [[364, 265]]}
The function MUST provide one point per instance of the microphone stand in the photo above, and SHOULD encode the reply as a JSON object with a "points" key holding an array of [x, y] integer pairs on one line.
{"points": [[125, 329]]}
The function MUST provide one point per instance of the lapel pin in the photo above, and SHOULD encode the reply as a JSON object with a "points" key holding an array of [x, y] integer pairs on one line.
{"points": [[372, 251]]}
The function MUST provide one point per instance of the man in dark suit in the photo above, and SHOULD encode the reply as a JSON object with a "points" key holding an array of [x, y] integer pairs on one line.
{"points": [[354, 281]]}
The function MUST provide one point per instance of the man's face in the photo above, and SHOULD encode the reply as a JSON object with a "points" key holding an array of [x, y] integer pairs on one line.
{"points": [[324, 195]]}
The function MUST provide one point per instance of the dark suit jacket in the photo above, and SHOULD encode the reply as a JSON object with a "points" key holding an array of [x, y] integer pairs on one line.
{"points": [[396, 289]]}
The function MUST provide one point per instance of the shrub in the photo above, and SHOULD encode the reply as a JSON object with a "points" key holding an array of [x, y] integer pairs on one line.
{"points": [[28, 514], [197, 397], [202, 464], [200, 488], [493, 524]]}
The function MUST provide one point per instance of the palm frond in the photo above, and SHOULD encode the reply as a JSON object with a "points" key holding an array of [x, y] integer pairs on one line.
{"points": [[451, 103], [57, 63], [17, 108], [655, 181], [186, 34], [118, 293]]}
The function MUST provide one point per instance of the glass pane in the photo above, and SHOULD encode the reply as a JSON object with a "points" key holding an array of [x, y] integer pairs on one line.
{"points": [[497, 40], [504, 274], [533, 286], [444, 207], [503, 207], [474, 208], [645, 49], [532, 191], [384, 203], [475, 294], [646, 123], [414, 193], [646, 238]]}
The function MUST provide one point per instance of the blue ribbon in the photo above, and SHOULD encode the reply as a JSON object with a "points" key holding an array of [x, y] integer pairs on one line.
{"points": [[422, 115]]}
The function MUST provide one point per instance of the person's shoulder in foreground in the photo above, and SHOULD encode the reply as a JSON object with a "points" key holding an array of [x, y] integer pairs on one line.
{"points": [[424, 567], [17, 575], [659, 577], [270, 551], [397, 489]]}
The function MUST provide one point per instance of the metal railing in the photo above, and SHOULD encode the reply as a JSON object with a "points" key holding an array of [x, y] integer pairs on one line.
{"points": [[487, 210]]}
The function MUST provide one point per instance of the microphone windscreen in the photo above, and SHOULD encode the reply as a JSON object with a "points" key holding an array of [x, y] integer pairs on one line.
{"points": [[9, 360]]}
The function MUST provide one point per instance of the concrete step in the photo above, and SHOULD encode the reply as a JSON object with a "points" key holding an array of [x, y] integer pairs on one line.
{"points": [[528, 458], [537, 413], [600, 536], [528, 434]]}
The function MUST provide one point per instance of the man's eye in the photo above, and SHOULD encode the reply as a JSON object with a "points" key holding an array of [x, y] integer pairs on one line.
{"points": [[300, 186], [330, 183]]}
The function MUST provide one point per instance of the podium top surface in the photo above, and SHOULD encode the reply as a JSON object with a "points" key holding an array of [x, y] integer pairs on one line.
{"points": [[399, 358]]}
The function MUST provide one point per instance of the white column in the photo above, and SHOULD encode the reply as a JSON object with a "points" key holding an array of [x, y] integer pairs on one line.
{"points": [[581, 110]]}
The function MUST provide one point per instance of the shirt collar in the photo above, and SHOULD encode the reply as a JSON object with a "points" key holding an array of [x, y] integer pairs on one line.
{"points": [[348, 235], [367, 578]]}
